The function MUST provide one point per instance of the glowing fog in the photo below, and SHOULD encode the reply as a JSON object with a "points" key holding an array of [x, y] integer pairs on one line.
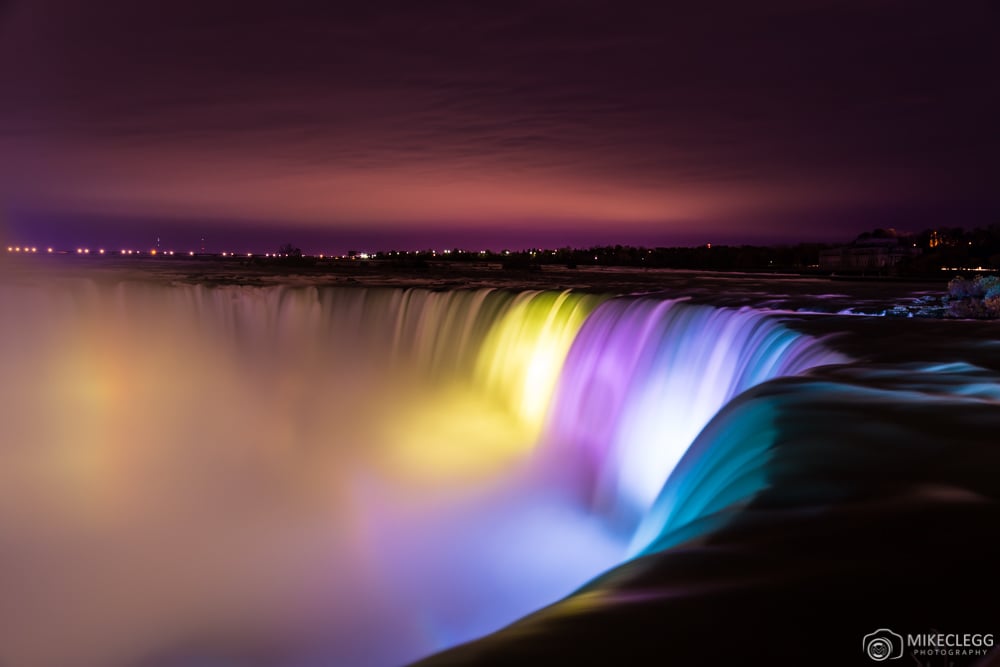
{"points": [[335, 476]]}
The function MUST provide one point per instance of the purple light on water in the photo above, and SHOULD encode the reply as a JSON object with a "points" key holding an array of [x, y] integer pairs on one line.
{"points": [[325, 471], [644, 377]]}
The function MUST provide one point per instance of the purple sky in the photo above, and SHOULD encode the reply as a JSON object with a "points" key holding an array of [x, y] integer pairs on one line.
{"points": [[510, 125]]}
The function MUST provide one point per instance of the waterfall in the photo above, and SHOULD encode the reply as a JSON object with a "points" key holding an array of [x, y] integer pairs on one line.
{"points": [[370, 462], [645, 376]]}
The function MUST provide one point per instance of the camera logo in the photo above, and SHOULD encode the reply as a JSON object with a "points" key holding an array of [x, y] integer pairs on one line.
{"points": [[883, 644]]}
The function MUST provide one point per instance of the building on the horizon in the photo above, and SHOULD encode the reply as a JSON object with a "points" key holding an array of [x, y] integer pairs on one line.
{"points": [[869, 254]]}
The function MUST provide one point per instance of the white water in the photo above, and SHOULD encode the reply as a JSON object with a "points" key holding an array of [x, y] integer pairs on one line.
{"points": [[332, 476]]}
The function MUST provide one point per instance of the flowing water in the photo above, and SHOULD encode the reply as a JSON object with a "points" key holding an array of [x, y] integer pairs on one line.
{"points": [[362, 476]]}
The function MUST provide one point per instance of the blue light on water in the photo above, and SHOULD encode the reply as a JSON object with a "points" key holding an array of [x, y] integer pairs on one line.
{"points": [[369, 475]]}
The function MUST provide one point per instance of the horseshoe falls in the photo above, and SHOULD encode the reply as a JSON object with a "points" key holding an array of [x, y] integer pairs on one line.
{"points": [[221, 475], [645, 376]]}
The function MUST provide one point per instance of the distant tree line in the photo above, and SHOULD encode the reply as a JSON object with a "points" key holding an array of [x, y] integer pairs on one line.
{"points": [[944, 247], [720, 258], [953, 247]]}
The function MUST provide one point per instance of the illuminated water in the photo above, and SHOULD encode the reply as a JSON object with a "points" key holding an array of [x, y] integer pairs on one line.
{"points": [[340, 476], [645, 376]]}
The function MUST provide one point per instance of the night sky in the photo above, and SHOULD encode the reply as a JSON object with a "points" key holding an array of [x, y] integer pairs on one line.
{"points": [[424, 124]]}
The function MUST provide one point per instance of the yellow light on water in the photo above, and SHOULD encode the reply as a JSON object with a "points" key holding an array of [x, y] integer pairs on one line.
{"points": [[523, 355], [452, 434]]}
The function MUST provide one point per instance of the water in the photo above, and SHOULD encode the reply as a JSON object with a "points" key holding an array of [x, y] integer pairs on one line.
{"points": [[645, 376], [294, 476], [804, 497]]}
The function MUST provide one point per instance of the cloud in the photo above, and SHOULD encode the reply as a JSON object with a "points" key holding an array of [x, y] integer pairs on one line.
{"points": [[451, 110]]}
